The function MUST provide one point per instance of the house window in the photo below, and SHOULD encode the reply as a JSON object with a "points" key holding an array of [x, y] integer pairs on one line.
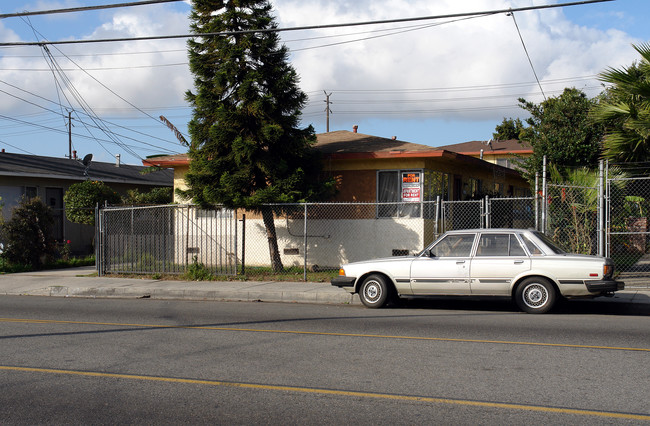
{"points": [[30, 192], [474, 188], [402, 190]]}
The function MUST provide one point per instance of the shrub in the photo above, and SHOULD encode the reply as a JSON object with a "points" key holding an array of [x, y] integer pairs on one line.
{"points": [[28, 234], [81, 198], [197, 271], [155, 196]]}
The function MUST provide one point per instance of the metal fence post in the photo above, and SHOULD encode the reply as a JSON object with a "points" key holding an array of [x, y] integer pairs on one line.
{"points": [[304, 231], [487, 212], [436, 223], [544, 199], [608, 207], [98, 242], [243, 244], [601, 212], [536, 198]]}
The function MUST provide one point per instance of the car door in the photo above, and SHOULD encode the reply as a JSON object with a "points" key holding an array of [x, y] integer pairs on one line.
{"points": [[444, 269], [498, 258]]}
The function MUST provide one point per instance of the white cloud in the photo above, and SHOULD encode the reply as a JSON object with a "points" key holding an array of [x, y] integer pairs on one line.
{"points": [[481, 59], [144, 79], [481, 53]]}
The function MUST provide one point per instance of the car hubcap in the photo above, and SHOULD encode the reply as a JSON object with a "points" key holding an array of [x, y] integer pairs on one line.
{"points": [[372, 292], [535, 295]]}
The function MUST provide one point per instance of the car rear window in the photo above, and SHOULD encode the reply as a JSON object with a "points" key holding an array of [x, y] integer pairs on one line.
{"points": [[499, 245]]}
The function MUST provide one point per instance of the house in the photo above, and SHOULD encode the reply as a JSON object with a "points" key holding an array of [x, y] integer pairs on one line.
{"points": [[504, 153], [48, 178], [377, 169], [387, 193], [370, 168]]}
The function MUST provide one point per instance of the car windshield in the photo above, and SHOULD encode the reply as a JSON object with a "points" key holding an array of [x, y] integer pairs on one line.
{"points": [[550, 243]]}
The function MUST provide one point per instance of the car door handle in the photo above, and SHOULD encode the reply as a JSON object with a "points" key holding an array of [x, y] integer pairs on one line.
{"points": [[518, 262], [460, 262]]}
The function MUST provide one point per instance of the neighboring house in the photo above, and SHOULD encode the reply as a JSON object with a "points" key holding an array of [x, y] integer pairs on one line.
{"points": [[369, 169], [48, 178], [372, 169], [376, 169], [504, 153]]}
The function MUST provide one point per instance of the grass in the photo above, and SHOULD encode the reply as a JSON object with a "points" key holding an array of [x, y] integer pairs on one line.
{"points": [[294, 273], [198, 272], [7, 268]]}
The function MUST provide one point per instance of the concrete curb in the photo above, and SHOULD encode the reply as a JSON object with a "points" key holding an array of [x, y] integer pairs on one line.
{"points": [[68, 283]]}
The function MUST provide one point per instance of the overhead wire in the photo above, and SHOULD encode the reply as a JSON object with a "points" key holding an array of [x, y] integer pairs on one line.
{"points": [[308, 27], [84, 8], [394, 31], [86, 107], [527, 54]]}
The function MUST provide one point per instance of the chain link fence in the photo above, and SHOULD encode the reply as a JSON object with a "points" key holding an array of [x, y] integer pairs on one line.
{"points": [[321, 236], [627, 221], [165, 239], [572, 217]]}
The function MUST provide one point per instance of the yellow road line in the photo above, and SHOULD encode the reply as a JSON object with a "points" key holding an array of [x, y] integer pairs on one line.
{"points": [[357, 394], [323, 333]]}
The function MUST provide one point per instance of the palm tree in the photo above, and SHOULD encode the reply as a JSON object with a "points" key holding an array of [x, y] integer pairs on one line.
{"points": [[625, 110]]}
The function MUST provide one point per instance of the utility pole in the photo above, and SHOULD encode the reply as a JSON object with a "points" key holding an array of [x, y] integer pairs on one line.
{"points": [[327, 110], [70, 135]]}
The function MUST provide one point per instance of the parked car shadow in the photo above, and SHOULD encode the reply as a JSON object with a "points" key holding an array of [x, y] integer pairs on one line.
{"points": [[597, 306]]}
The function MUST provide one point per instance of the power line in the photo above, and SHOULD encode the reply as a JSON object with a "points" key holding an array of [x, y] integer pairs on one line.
{"points": [[307, 27], [79, 135], [85, 8], [15, 147], [527, 55]]}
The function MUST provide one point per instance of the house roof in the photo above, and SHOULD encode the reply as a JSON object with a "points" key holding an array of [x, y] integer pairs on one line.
{"points": [[511, 146], [343, 141], [71, 169], [346, 145]]}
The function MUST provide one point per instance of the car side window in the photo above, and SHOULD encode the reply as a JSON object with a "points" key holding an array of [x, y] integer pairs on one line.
{"points": [[458, 245], [515, 247], [499, 245], [532, 248]]}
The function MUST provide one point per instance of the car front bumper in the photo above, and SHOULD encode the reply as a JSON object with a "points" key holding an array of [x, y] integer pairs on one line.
{"points": [[343, 281], [604, 286]]}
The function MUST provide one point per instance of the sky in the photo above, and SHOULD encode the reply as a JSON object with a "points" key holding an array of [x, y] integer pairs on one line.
{"points": [[435, 82]]}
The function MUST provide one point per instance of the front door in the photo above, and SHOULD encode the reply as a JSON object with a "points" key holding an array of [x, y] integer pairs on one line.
{"points": [[445, 269], [54, 199]]}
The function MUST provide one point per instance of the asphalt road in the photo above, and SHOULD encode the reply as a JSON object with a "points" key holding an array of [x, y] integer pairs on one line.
{"points": [[108, 361]]}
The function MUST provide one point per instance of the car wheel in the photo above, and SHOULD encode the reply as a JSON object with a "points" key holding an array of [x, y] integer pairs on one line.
{"points": [[374, 291], [535, 295]]}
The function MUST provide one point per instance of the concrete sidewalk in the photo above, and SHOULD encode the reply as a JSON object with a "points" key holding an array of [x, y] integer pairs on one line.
{"points": [[74, 282]]}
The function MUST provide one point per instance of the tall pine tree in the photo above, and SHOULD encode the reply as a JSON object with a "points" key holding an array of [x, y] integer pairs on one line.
{"points": [[246, 148]]}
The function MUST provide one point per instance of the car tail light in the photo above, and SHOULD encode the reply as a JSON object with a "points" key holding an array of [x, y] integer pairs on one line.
{"points": [[608, 271]]}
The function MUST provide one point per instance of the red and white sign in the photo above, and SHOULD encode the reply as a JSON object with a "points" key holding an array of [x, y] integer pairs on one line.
{"points": [[410, 194], [411, 187]]}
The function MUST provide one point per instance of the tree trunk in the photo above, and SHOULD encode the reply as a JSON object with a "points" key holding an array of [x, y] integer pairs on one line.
{"points": [[271, 235]]}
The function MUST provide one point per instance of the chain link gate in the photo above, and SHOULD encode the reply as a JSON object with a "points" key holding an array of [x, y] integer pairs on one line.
{"points": [[627, 222], [166, 239]]}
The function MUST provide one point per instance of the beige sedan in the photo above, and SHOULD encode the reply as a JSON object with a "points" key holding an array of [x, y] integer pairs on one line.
{"points": [[522, 264]]}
